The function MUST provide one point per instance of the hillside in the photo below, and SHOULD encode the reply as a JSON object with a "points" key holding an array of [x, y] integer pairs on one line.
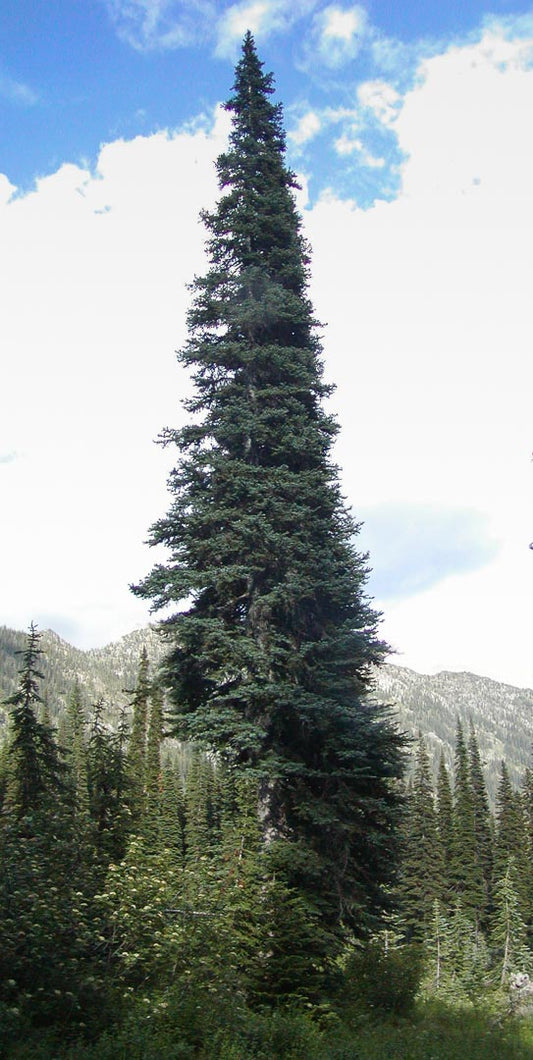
{"points": [[501, 714], [103, 673]]}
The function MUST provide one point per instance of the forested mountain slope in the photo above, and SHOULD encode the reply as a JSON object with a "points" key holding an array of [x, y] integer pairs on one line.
{"points": [[501, 714], [103, 673]]}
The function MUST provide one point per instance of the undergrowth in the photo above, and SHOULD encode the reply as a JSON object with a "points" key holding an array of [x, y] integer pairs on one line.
{"points": [[433, 1031]]}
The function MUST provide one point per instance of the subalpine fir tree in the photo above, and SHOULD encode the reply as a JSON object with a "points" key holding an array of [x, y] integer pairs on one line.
{"points": [[172, 818], [421, 863], [270, 661], [202, 808], [153, 769], [512, 840], [527, 803], [76, 747], [139, 721], [136, 756], [509, 932], [45, 883], [109, 809], [466, 876], [482, 824], [445, 835], [36, 773]]}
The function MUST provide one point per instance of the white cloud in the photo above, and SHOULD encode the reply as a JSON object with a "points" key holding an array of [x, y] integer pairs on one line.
{"points": [[381, 99], [308, 126], [484, 111], [93, 272], [314, 121], [261, 17], [337, 35], [346, 145], [148, 25], [7, 189], [349, 141], [427, 300], [242, 17], [429, 339], [340, 24], [476, 622]]}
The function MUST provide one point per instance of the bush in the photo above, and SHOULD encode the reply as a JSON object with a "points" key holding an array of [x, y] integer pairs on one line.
{"points": [[213, 1031], [292, 1036], [382, 981]]}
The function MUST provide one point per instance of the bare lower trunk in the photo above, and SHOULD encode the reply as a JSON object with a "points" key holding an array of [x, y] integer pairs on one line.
{"points": [[270, 811]]}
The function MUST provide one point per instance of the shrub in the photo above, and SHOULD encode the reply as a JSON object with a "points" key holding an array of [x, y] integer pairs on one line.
{"points": [[380, 980]]}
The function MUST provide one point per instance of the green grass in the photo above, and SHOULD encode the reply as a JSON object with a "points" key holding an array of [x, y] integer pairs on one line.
{"points": [[436, 1031], [441, 1032]]}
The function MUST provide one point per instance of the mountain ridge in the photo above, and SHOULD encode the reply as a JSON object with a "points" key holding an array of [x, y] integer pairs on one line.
{"points": [[501, 714]]}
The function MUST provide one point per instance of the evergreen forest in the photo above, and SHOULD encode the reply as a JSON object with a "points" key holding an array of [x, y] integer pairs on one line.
{"points": [[253, 860]]}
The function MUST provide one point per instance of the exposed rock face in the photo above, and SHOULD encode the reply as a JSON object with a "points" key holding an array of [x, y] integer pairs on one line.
{"points": [[521, 994], [502, 715]]}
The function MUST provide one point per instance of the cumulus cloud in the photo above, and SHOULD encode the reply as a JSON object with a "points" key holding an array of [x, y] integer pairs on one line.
{"points": [[337, 35], [354, 142], [261, 17], [93, 269], [307, 127], [485, 115], [381, 99], [7, 189], [429, 340], [308, 122], [475, 622], [347, 145], [427, 300], [149, 25]]}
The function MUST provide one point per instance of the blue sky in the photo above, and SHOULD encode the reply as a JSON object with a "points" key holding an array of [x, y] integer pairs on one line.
{"points": [[74, 75], [409, 125]]}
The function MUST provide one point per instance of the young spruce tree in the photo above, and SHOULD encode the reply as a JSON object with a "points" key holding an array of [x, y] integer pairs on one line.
{"points": [[422, 866], [273, 640], [35, 771]]}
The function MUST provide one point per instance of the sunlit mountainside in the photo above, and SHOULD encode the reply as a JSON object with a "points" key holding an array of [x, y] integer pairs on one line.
{"points": [[501, 714]]}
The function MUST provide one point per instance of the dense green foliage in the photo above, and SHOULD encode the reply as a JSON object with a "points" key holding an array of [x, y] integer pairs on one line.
{"points": [[141, 919], [272, 638], [478, 882]]}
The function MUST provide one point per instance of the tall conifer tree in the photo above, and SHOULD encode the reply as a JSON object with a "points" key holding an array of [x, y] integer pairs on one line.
{"points": [[137, 743], [527, 802], [270, 662], [109, 808], [77, 748], [45, 883], [139, 720], [35, 771], [153, 771], [445, 834], [422, 864], [466, 871], [511, 841], [482, 823]]}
